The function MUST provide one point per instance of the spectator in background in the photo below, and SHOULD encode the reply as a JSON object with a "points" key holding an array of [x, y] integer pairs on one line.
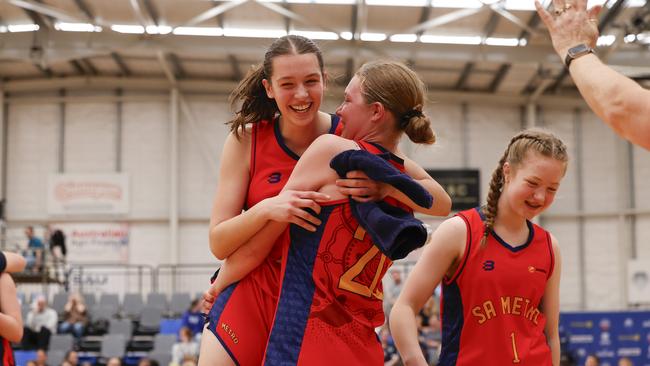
{"points": [[592, 360], [57, 243], [71, 358], [34, 253], [40, 325], [391, 357], [185, 350], [193, 319], [392, 288], [114, 361], [625, 362], [148, 362], [41, 358], [75, 317]]}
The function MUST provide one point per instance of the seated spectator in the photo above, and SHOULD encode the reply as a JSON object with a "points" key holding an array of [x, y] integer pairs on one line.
{"points": [[34, 254], [71, 358], [114, 361], [40, 325], [74, 318], [41, 358], [625, 362], [432, 337], [185, 350], [592, 360], [391, 357], [193, 319], [148, 362]]}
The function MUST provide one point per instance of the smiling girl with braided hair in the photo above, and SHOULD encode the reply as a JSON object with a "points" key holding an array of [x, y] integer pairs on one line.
{"points": [[500, 272]]}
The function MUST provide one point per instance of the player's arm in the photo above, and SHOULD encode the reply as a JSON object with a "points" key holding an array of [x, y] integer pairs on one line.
{"points": [[446, 246], [11, 322], [11, 262], [551, 305], [363, 189], [310, 174], [229, 227]]}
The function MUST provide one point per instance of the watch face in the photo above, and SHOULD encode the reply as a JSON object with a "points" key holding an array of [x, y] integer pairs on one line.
{"points": [[578, 50]]}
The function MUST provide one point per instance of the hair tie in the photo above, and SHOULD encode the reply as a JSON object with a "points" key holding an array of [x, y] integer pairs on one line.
{"points": [[406, 117]]}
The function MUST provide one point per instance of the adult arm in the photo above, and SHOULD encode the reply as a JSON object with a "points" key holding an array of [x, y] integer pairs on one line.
{"points": [[11, 322], [619, 101], [230, 228], [445, 247], [551, 305]]}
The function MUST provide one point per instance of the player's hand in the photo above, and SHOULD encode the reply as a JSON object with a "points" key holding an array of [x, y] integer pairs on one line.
{"points": [[289, 206], [209, 296], [361, 188]]}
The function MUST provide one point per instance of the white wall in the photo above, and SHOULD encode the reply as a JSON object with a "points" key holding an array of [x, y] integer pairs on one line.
{"points": [[90, 147]]}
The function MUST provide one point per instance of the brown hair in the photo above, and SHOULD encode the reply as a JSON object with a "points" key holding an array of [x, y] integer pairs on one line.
{"points": [[537, 140], [401, 91], [255, 104]]}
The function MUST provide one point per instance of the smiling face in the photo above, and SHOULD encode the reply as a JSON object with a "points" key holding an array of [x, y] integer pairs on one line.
{"points": [[297, 87], [355, 112], [530, 186]]}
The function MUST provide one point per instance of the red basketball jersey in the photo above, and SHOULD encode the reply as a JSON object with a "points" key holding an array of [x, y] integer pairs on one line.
{"points": [[331, 297], [490, 308], [6, 353]]}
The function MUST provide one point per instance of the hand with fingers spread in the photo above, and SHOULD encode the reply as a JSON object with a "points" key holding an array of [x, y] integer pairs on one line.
{"points": [[571, 24], [361, 188], [289, 206]]}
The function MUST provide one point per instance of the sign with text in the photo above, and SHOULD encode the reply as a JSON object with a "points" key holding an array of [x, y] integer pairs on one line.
{"points": [[88, 194], [462, 185], [96, 242]]}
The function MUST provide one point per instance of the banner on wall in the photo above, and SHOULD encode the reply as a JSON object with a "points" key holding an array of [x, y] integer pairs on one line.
{"points": [[88, 194], [462, 185], [89, 243]]}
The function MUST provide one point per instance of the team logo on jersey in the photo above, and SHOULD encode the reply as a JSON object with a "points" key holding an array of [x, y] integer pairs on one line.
{"points": [[532, 269], [488, 265], [274, 178]]}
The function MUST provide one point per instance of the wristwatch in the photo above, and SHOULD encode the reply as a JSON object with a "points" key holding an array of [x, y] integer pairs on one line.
{"points": [[577, 51]]}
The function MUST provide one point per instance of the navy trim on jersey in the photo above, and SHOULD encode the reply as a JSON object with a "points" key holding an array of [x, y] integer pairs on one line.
{"points": [[551, 253], [531, 235], [296, 294], [280, 140], [452, 324], [468, 249], [335, 123], [215, 314], [384, 150]]}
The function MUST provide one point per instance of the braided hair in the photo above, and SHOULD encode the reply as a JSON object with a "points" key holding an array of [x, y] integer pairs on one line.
{"points": [[536, 140]]}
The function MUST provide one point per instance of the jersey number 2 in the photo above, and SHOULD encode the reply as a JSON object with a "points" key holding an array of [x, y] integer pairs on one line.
{"points": [[347, 282]]}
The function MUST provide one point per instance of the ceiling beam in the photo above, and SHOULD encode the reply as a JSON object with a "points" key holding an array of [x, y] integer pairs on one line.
{"points": [[46, 71], [213, 12], [425, 13], [464, 75], [286, 12], [499, 9], [88, 65], [45, 10], [360, 18], [441, 20], [119, 61], [84, 8], [498, 77], [491, 25], [177, 66], [152, 11], [237, 74], [77, 67]]}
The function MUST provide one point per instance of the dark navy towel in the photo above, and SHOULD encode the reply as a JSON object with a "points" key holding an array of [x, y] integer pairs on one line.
{"points": [[394, 231]]}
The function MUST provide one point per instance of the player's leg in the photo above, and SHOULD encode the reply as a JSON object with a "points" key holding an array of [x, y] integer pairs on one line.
{"points": [[212, 351]]}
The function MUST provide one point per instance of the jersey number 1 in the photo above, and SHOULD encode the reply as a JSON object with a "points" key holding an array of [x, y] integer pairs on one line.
{"points": [[514, 349]]}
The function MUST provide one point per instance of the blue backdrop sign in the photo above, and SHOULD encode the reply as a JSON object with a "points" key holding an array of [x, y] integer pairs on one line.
{"points": [[609, 335]]}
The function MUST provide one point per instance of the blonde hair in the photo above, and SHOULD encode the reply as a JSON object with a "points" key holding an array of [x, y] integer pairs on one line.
{"points": [[401, 91], [537, 140]]}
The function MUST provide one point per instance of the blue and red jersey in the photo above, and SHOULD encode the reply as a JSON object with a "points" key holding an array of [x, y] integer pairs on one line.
{"points": [[331, 294], [490, 308]]}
